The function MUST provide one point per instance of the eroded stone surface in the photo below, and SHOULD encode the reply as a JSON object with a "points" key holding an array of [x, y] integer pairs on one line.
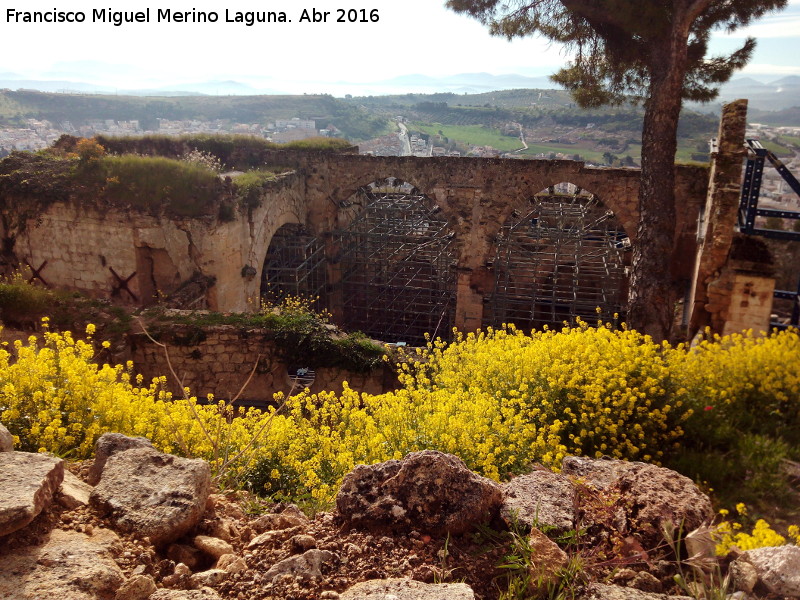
{"points": [[68, 565], [599, 591], [27, 484], [407, 589], [547, 559], [777, 568], [212, 546], [647, 496], [308, 565], [73, 492], [201, 594], [6, 439], [540, 498], [138, 587], [109, 444], [428, 491], [152, 494]]}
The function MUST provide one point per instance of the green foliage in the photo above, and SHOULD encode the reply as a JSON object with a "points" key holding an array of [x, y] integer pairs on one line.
{"points": [[157, 183]]}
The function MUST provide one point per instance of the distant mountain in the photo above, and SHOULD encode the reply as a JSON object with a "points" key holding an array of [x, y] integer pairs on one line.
{"points": [[470, 83], [53, 86], [773, 96]]}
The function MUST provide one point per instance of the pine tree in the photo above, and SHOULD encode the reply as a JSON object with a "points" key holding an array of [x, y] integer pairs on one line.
{"points": [[648, 50]]}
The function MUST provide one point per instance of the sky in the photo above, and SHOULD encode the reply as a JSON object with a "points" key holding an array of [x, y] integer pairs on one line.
{"points": [[409, 37]]}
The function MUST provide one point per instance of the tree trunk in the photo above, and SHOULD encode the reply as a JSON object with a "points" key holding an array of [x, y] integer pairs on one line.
{"points": [[652, 289]]}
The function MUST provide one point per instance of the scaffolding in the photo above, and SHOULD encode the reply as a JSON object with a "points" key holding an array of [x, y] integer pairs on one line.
{"points": [[295, 265], [561, 259], [397, 262]]}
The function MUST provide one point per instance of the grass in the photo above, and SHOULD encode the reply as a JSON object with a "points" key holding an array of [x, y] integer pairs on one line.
{"points": [[478, 135], [153, 183]]}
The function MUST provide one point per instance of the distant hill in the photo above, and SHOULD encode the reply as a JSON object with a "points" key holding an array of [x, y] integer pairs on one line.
{"points": [[355, 122], [776, 95]]}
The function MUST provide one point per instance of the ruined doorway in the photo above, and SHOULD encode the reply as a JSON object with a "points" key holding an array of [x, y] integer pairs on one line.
{"points": [[561, 257], [397, 265], [295, 265]]}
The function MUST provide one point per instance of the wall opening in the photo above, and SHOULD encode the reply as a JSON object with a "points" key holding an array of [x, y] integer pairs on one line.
{"points": [[295, 265], [397, 263], [560, 258]]}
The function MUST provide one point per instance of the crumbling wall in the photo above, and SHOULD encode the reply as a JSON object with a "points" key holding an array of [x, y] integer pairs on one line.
{"points": [[136, 258], [219, 359]]}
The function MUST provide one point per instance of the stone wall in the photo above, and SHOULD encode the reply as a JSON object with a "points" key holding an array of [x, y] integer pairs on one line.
{"points": [[136, 258], [219, 359]]}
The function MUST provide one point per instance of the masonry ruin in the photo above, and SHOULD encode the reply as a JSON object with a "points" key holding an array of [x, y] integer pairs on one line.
{"points": [[400, 247]]}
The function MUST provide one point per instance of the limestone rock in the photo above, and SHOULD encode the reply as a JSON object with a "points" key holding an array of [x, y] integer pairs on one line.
{"points": [[27, 484], [211, 578], [428, 491], [778, 568], [6, 439], [212, 546], [68, 565], [231, 563], [599, 591], [547, 559], [291, 517], [744, 576], [73, 492], [273, 538], [303, 566], [407, 589], [188, 555], [201, 594], [648, 495], [109, 444], [152, 494], [301, 543], [138, 587], [540, 498]]}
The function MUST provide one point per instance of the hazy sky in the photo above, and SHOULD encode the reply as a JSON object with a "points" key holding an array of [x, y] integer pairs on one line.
{"points": [[411, 36]]}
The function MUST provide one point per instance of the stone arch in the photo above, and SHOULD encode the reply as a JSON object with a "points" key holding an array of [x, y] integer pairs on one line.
{"points": [[396, 265], [294, 265], [560, 256]]}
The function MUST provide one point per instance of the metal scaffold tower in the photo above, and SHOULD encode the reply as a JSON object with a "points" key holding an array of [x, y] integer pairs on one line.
{"points": [[560, 259], [294, 266], [397, 263]]}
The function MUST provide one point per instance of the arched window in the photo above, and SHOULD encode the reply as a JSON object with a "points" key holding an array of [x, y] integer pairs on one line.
{"points": [[397, 261], [294, 266], [559, 258]]}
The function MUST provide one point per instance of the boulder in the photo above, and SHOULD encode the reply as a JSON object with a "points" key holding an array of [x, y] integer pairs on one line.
{"points": [[151, 494], [777, 569], [647, 496], [6, 439], [73, 492], [600, 591], [27, 484], [407, 589], [109, 444], [68, 565], [303, 566], [540, 498], [426, 491]]}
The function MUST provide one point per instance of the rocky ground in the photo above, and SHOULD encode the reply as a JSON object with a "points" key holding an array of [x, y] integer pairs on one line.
{"points": [[136, 524]]}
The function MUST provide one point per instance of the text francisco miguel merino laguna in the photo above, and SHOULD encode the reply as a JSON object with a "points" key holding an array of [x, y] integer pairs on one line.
{"points": [[162, 15]]}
